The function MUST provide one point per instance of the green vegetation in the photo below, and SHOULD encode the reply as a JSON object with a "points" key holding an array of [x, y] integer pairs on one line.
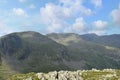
{"points": [[97, 75], [29, 76], [5, 72]]}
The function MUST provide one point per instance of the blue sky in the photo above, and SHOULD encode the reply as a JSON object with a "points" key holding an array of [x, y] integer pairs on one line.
{"points": [[60, 16]]}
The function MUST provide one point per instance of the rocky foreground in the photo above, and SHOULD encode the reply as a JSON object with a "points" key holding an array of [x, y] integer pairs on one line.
{"points": [[106, 74]]}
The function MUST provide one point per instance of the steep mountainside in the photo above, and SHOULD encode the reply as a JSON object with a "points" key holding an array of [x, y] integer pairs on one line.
{"points": [[31, 51], [110, 40]]}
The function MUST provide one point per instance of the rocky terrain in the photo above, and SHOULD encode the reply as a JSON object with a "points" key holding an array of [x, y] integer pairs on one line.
{"points": [[94, 74]]}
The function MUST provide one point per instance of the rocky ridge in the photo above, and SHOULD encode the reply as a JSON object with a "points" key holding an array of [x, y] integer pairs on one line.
{"points": [[94, 74]]}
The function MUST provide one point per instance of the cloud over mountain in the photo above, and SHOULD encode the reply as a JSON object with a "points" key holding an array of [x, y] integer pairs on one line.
{"points": [[57, 17]]}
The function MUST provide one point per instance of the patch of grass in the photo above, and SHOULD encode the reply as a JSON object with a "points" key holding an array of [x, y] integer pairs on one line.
{"points": [[30, 76], [101, 75], [5, 72]]}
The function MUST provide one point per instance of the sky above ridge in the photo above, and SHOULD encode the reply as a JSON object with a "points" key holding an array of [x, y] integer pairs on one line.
{"points": [[60, 16]]}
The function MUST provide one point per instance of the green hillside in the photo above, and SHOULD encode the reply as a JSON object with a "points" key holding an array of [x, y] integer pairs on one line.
{"points": [[25, 52], [31, 51], [90, 54], [109, 40]]}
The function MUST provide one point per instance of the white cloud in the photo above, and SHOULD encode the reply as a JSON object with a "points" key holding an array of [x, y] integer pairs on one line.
{"points": [[19, 12], [99, 24], [32, 6], [74, 7], [97, 3], [22, 1], [116, 16], [79, 25], [99, 27], [56, 16], [48, 16]]}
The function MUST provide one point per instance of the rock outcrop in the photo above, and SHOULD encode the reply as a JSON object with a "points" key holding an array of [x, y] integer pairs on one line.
{"points": [[61, 75]]}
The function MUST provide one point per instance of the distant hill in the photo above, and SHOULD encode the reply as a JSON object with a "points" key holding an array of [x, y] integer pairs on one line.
{"points": [[33, 52], [90, 53], [110, 40]]}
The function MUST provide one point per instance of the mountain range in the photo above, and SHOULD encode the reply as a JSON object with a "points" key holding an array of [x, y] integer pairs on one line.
{"points": [[30, 51]]}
